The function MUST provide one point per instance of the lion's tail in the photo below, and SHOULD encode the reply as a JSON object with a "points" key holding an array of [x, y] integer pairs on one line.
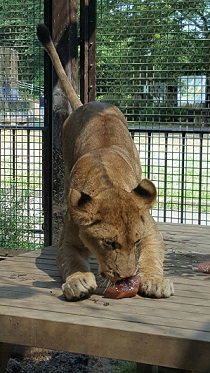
{"points": [[45, 38]]}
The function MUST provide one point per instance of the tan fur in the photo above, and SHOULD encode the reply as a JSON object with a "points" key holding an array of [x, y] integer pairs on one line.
{"points": [[107, 204]]}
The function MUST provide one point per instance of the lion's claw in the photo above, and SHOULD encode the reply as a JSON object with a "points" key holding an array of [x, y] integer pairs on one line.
{"points": [[158, 288], [79, 285]]}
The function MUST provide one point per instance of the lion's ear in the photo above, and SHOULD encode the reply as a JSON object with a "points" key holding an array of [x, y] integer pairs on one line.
{"points": [[81, 206], [78, 199], [147, 191]]}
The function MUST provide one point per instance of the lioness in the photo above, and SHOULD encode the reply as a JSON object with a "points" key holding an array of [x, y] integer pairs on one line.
{"points": [[107, 202]]}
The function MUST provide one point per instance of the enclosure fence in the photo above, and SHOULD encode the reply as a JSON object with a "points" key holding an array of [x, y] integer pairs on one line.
{"points": [[21, 125], [153, 62]]}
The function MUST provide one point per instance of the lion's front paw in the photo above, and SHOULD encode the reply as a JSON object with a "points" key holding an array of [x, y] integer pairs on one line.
{"points": [[158, 288], [79, 285]]}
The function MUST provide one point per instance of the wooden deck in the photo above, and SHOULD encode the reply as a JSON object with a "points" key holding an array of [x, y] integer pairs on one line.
{"points": [[172, 332]]}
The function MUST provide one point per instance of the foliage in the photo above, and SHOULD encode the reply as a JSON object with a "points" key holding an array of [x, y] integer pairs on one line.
{"points": [[142, 42], [16, 222], [18, 20], [149, 40], [124, 367]]}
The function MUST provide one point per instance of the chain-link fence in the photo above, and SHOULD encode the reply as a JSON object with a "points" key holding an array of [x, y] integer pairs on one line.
{"points": [[21, 125], [153, 62]]}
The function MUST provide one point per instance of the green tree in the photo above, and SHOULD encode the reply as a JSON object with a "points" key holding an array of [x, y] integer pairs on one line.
{"points": [[147, 43], [18, 20]]}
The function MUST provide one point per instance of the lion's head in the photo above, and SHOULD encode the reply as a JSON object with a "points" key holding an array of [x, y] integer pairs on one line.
{"points": [[111, 226]]}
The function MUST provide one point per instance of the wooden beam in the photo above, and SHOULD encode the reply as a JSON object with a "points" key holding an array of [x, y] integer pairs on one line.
{"points": [[64, 35], [5, 353], [87, 50], [146, 368]]}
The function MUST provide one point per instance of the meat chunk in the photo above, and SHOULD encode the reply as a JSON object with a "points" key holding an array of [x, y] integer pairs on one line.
{"points": [[125, 288], [204, 267]]}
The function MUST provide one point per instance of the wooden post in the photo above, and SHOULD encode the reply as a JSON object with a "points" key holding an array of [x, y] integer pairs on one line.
{"points": [[61, 18], [64, 35], [145, 368], [5, 353], [87, 50]]}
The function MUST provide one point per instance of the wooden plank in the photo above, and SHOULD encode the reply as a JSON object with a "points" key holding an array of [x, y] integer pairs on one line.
{"points": [[182, 228], [141, 315], [173, 302], [175, 310], [105, 338], [17, 269], [138, 303]]}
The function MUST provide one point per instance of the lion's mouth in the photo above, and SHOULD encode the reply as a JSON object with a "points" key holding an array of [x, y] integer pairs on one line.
{"points": [[115, 276]]}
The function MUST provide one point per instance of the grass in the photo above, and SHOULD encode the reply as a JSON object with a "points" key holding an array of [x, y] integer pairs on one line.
{"points": [[124, 367]]}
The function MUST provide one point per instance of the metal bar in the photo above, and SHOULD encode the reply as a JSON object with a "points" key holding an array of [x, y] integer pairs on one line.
{"points": [[47, 136], [28, 170], [132, 134], [200, 179], [149, 154], [165, 177], [0, 156], [131, 129], [21, 127], [13, 155], [183, 177], [169, 130]]}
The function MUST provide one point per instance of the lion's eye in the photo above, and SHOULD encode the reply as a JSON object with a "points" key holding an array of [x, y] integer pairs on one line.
{"points": [[137, 244], [110, 244]]}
